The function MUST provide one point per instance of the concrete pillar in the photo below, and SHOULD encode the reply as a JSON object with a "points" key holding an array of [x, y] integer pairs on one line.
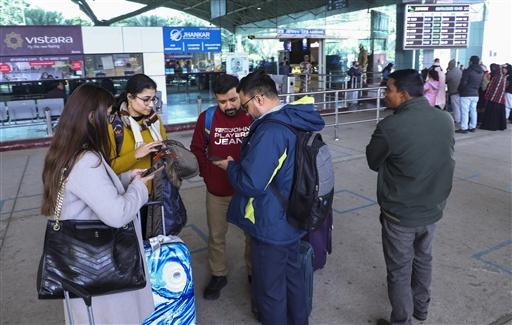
{"points": [[403, 59]]}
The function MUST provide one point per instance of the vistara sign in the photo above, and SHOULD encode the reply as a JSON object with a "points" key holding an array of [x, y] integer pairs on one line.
{"points": [[40, 40]]}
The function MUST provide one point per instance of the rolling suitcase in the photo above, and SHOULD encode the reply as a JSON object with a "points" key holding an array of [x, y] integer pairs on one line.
{"points": [[79, 292], [307, 256], [170, 274], [321, 241]]}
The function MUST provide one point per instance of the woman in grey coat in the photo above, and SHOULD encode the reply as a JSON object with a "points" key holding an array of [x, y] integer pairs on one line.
{"points": [[93, 191]]}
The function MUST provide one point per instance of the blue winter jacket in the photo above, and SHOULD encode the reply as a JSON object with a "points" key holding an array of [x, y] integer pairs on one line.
{"points": [[268, 155]]}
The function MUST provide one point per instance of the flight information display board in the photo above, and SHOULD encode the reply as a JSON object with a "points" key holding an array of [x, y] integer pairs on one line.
{"points": [[431, 26]]}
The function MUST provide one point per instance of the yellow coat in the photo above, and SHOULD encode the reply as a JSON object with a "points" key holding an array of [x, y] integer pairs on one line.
{"points": [[126, 160]]}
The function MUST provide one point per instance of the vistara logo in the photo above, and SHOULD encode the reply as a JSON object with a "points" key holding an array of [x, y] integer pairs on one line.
{"points": [[13, 40]]}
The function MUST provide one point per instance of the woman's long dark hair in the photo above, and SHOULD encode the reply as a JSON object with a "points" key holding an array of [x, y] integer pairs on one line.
{"points": [[83, 126], [134, 86]]}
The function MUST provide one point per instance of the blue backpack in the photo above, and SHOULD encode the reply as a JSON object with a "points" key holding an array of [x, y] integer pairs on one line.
{"points": [[210, 111]]}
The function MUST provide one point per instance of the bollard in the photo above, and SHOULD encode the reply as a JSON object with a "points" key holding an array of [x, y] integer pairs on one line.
{"points": [[378, 104], [48, 116], [336, 110], [199, 105]]}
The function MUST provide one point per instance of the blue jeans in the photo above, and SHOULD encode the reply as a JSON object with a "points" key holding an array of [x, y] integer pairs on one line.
{"points": [[278, 282], [468, 112], [408, 256]]}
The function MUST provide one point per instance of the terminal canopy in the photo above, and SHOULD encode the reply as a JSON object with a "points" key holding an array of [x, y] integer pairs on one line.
{"points": [[239, 12]]}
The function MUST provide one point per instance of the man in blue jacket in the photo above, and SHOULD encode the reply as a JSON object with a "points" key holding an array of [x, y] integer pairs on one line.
{"points": [[412, 151], [268, 155]]}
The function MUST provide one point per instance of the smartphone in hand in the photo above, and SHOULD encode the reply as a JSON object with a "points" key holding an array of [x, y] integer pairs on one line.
{"points": [[149, 171], [215, 158]]}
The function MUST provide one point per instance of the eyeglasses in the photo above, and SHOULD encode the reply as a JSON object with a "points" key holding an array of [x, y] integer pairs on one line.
{"points": [[244, 105], [148, 100]]}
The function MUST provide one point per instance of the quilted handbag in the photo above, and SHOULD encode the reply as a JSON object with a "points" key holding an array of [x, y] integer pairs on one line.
{"points": [[95, 257]]}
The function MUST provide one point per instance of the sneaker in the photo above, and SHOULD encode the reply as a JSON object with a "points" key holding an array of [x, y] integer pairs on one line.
{"points": [[472, 130], [419, 316], [212, 290], [461, 131]]}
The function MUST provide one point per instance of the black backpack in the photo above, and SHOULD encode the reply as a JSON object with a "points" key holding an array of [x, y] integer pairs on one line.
{"points": [[311, 197]]}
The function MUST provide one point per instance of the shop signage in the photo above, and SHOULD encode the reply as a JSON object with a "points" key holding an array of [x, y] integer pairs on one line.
{"points": [[429, 26], [192, 39], [40, 40], [300, 33], [39, 59]]}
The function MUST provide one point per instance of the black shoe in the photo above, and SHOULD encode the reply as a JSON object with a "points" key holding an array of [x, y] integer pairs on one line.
{"points": [[249, 278], [461, 131], [212, 290], [472, 130], [419, 316], [382, 321]]}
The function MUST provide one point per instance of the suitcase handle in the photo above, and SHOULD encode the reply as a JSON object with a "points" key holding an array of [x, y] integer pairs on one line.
{"points": [[150, 203], [77, 291]]}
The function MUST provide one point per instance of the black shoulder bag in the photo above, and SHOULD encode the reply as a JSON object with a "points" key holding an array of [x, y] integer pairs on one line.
{"points": [[89, 254]]}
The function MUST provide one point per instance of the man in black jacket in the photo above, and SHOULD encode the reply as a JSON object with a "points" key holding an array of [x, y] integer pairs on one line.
{"points": [[468, 91], [412, 151]]}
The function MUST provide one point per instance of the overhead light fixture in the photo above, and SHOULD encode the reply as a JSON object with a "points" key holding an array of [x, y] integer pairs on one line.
{"points": [[259, 8]]}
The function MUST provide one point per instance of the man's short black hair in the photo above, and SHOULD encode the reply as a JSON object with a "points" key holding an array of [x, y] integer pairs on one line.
{"points": [[224, 83], [474, 59], [258, 83], [408, 80]]}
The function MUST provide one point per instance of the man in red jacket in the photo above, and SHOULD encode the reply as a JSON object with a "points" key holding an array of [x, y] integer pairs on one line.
{"points": [[218, 134]]}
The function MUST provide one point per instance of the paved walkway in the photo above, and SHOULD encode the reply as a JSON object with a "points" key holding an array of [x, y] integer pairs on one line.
{"points": [[472, 249]]}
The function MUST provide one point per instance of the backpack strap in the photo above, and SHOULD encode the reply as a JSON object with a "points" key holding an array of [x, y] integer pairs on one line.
{"points": [[273, 186], [118, 127], [208, 119]]}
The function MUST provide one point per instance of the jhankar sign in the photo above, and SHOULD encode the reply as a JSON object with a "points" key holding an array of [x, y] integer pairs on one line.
{"points": [[40, 40], [192, 39]]}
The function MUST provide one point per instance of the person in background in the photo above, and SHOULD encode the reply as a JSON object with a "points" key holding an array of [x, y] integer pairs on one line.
{"points": [[494, 114], [441, 93], [80, 150], [228, 128], [362, 59], [412, 150], [141, 130], [431, 87], [385, 73], [57, 90], [306, 68], [453, 75], [508, 93], [268, 155], [284, 68], [468, 91], [355, 82], [44, 75], [108, 84]]}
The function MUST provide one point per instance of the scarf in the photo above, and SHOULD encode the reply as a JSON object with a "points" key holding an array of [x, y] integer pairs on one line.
{"points": [[150, 122]]}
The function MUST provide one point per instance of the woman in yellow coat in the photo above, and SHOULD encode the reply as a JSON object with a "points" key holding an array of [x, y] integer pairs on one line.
{"points": [[136, 131]]}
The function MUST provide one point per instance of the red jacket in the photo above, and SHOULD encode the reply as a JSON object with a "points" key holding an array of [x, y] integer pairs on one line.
{"points": [[226, 135]]}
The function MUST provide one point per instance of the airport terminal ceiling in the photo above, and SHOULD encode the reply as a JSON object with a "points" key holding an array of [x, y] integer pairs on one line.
{"points": [[239, 12]]}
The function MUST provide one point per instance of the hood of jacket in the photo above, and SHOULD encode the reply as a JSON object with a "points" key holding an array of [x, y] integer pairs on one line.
{"points": [[301, 116]]}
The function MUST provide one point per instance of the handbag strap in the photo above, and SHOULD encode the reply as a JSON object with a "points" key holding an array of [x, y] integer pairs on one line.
{"points": [[60, 200]]}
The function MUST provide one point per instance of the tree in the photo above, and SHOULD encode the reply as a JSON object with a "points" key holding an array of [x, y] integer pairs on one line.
{"points": [[11, 12], [142, 20], [39, 16], [77, 21]]}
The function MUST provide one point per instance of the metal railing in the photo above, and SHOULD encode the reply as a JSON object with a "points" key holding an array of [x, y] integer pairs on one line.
{"points": [[339, 102], [334, 101]]}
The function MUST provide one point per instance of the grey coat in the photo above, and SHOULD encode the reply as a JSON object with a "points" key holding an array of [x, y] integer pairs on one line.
{"points": [[93, 191]]}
